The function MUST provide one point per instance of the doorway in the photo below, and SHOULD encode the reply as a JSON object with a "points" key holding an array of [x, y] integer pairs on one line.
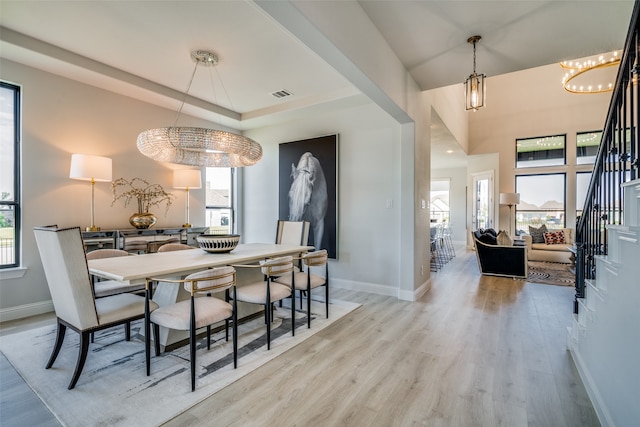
{"points": [[482, 196]]}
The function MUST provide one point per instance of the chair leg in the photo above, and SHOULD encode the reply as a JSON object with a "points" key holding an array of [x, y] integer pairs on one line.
{"points": [[192, 355], [58, 345], [92, 337], [267, 309], [192, 343], [127, 331], [82, 357], [309, 307], [156, 339], [293, 312], [326, 297]]}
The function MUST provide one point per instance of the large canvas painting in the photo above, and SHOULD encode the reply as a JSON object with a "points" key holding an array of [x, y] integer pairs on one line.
{"points": [[308, 188]]}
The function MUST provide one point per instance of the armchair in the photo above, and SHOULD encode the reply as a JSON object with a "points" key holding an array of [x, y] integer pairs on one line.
{"points": [[500, 260]]}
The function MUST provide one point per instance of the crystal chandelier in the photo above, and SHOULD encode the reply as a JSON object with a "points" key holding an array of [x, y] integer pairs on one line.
{"points": [[603, 83], [196, 146], [474, 86]]}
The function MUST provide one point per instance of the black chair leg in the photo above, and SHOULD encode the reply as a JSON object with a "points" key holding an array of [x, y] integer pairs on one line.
{"points": [[267, 309], [127, 331], [92, 337], [309, 308], [235, 339], [82, 357], [156, 338], [58, 345], [208, 337], [192, 356], [326, 299]]}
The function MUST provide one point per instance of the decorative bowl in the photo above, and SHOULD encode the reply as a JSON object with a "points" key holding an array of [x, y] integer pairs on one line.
{"points": [[218, 243]]}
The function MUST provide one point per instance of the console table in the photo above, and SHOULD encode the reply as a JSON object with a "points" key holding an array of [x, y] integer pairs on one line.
{"points": [[117, 239]]}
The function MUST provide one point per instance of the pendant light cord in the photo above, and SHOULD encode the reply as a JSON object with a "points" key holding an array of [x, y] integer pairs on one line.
{"points": [[186, 94]]}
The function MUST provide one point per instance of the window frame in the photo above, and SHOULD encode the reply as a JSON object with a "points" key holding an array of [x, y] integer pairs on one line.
{"points": [[578, 156], [232, 208], [15, 204], [564, 186], [564, 157]]}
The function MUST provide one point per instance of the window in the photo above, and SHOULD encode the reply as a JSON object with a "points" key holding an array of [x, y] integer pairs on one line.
{"points": [[587, 144], [440, 210], [542, 151], [9, 175], [542, 201], [582, 185], [220, 214]]}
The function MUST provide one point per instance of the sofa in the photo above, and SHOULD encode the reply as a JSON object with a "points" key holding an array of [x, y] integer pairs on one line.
{"points": [[551, 252], [499, 260]]}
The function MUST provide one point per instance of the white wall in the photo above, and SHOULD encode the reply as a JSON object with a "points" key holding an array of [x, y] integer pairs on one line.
{"points": [[368, 164]]}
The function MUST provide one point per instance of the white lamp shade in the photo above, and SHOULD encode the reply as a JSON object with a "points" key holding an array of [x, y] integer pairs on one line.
{"points": [[87, 167], [187, 179], [509, 198]]}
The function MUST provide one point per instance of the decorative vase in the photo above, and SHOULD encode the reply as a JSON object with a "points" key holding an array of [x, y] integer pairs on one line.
{"points": [[142, 220]]}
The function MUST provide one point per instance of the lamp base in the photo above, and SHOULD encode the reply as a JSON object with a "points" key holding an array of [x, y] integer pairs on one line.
{"points": [[186, 225], [92, 228]]}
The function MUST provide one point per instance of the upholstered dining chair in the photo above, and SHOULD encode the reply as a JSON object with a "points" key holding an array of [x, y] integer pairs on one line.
{"points": [[293, 233], [169, 247], [65, 267], [195, 313], [104, 288], [267, 291], [305, 281]]}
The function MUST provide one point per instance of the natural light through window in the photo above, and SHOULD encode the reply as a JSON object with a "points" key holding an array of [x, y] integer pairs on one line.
{"points": [[542, 201]]}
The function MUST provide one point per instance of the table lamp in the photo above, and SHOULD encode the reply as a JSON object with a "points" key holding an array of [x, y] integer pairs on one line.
{"points": [[510, 199], [86, 167], [187, 179]]}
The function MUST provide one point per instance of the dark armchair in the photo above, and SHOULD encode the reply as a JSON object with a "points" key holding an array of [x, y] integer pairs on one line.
{"points": [[499, 260]]}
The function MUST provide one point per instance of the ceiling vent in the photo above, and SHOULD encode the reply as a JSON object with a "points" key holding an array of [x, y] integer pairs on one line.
{"points": [[283, 93]]}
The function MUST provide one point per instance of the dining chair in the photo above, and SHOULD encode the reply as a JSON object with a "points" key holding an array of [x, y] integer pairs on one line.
{"points": [[305, 281], [65, 267], [267, 291], [169, 247], [200, 310], [293, 233], [104, 288]]}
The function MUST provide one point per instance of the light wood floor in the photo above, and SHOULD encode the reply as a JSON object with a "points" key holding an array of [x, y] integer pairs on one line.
{"points": [[473, 351]]}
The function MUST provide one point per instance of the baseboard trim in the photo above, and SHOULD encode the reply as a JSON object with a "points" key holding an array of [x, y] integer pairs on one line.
{"points": [[26, 310], [592, 390], [372, 288]]}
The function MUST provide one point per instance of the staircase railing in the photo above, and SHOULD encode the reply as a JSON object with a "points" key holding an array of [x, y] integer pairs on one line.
{"points": [[615, 164]]}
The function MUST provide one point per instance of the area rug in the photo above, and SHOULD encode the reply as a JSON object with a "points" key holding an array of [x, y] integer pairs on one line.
{"points": [[550, 273], [114, 390]]}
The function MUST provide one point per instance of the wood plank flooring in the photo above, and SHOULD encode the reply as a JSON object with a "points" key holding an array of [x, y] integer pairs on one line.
{"points": [[473, 351]]}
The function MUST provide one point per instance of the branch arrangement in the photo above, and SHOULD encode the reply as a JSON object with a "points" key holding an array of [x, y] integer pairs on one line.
{"points": [[147, 195]]}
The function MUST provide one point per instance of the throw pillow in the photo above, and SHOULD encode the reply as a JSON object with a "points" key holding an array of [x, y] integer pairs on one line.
{"points": [[488, 238], [537, 234], [504, 239], [554, 237], [491, 231]]}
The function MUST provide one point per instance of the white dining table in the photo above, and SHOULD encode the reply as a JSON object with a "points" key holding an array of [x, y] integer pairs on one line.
{"points": [[177, 264], [136, 269]]}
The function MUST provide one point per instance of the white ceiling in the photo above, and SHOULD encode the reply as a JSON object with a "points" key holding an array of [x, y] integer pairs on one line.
{"points": [[142, 48]]}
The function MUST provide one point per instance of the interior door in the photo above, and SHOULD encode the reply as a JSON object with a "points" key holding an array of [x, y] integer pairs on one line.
{"points": [[482, 213]]}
